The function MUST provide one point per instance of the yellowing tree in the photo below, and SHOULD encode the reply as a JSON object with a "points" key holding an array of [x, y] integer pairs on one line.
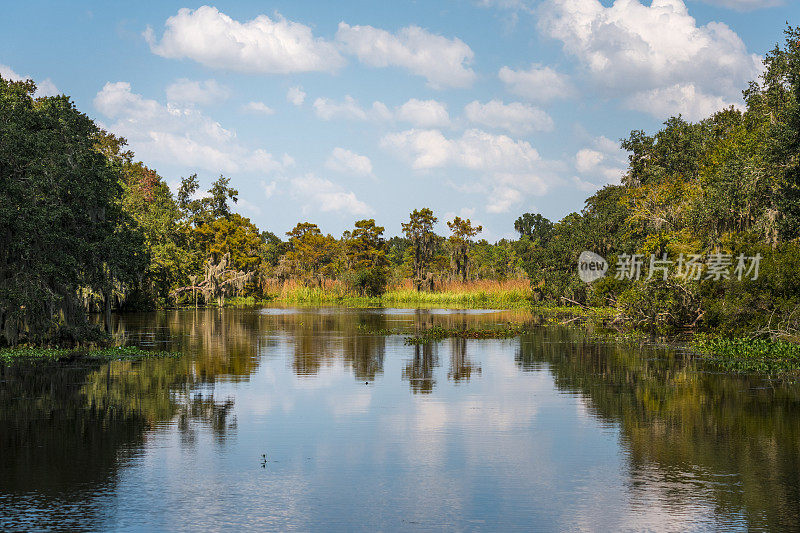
{"points": [[311, 253]]}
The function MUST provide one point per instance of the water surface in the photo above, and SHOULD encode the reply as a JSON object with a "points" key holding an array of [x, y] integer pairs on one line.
{"points": [[362, 432]]}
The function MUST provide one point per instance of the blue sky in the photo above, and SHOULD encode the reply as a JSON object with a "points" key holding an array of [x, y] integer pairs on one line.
{"points": [[335, 111]]}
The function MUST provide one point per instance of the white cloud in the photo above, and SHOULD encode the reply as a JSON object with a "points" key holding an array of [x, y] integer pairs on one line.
{"points": [[259, 107], [46, 87], [420, 113], [185, 91], [348, 162], [685, 99], [424, 113], [516, 118], [538, 83], [600, 164], [261, 45], [443, 62], [319, 194], [509, 167], [745, 5], [587, 160], [296, 96], [629, 48], [349, 109], [269, 188], [174, 135], [503, 199], [515, 5]]}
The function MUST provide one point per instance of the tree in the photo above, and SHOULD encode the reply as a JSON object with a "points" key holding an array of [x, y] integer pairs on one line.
{"points": [[463, 232], [419, 230], [203, 210], [150, 203], [62, 229], [220, 279], [534, 226], [311, 253], [235, 236], [366, 258]]}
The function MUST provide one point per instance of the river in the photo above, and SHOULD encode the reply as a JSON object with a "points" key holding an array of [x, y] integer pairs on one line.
{"points": [[305, 419]]}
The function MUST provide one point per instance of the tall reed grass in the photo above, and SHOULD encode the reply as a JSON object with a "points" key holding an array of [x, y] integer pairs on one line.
{"points": [[471, 294]]}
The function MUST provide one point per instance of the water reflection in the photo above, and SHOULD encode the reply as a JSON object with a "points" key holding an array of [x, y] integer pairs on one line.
{"points": [[366, 432], [689, 433]]}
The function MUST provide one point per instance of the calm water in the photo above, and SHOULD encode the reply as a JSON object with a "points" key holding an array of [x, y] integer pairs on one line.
{"points": [[361, 432]]}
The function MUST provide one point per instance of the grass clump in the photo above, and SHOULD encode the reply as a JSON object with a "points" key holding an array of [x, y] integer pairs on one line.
{"points": [[776, 358]]}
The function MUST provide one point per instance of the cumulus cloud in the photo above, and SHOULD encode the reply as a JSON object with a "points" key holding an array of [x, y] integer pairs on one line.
{"points": [[45, 87], [745, 5], [170, 134], [629, 48], [319, 194], [259, 107], [424, 113], [685, 99], [261, 45], [350, 109], [503, 199], [420, 113], [505, 164], [347, 162], [443, 62], [295, 96], [515, 118], [600, 164], [538, 83], [184, 91]]}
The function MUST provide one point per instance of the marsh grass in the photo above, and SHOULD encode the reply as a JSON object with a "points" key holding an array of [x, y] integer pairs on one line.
{"points": [[512, 294]]}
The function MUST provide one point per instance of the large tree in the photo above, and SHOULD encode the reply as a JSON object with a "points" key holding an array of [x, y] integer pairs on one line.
{"points": [[63, 232], [311, 253], [460, 241], [365, 249], [419, 230]]}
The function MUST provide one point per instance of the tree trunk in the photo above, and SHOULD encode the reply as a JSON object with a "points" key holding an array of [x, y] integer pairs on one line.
{"points": [[108, 311]]}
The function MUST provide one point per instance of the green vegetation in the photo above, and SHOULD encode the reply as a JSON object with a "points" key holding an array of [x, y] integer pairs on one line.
{"points": [[34, 353], [471, 296], [701, 194], [86, 228], [751, 356], [437, 333]]}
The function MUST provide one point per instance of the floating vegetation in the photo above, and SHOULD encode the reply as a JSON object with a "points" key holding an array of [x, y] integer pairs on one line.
{"points": [[775, 358], [437, 333], [32, 353]]}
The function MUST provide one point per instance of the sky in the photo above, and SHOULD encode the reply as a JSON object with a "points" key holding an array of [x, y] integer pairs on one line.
{"points": [[331, 112]]}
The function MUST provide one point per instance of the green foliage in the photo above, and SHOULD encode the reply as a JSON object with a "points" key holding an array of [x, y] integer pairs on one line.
{"points": [[62, 226], [419, 231], [33, 353], [726, 184], [311, 254], [459, 244], [748, 355]]}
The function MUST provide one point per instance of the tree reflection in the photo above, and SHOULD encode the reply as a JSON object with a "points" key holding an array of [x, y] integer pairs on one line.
{"points": [[676, 417], [461, 367], [419, 371]]}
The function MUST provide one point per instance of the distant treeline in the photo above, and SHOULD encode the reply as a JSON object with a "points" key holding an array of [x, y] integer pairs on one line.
{"points": [[85, 227]]}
